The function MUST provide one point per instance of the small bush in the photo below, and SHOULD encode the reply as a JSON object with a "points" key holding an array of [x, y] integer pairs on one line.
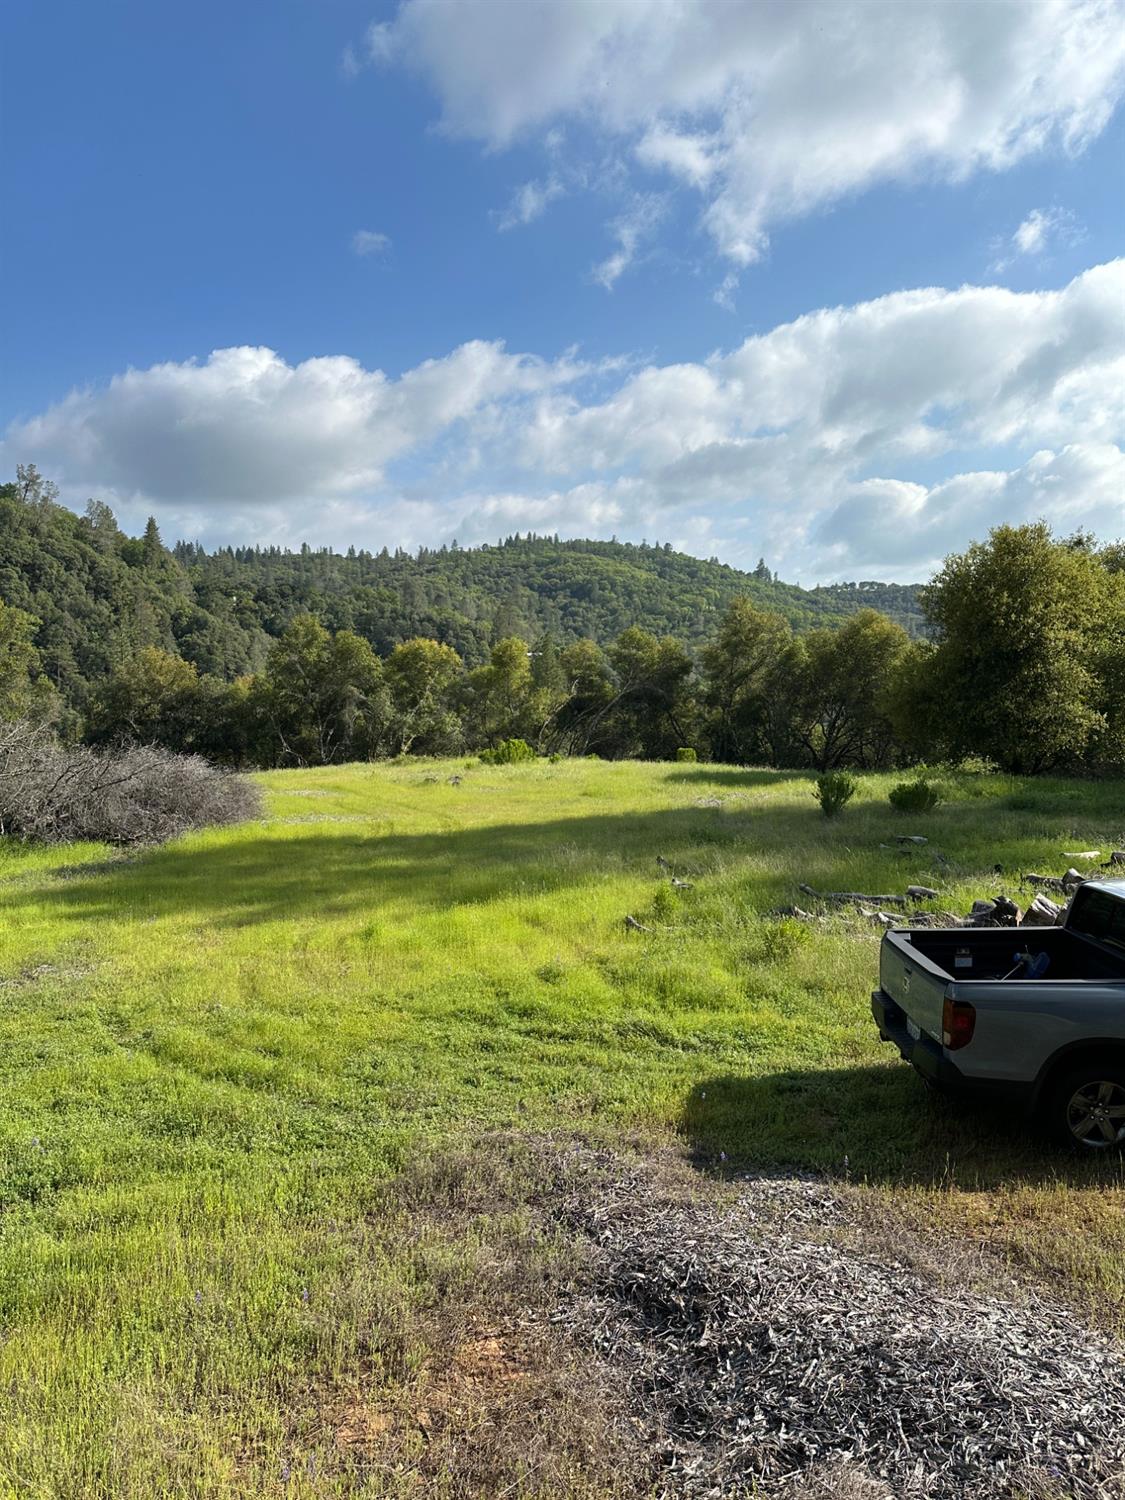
{"points": [[834, 790], [508, 753], [555, 758], [917, 796], [137, 795], [686, 753]]}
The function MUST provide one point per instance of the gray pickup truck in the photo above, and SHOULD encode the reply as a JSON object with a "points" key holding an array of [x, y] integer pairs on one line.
{"points": [[1032, 1014]]}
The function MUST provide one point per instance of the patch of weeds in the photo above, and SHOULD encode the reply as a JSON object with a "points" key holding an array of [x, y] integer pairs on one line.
{"points": [[776, 942], [665, 904]]}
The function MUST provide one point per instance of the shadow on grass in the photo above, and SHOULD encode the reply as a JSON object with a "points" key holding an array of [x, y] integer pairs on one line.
{"points": [[261, 875], [736, 775], [877, 1124]]}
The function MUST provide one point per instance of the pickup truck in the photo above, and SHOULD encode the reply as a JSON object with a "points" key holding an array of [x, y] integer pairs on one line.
{"points": [[1034, 1015]]}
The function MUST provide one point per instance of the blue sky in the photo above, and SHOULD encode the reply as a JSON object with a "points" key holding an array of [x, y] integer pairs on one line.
{"points": [[188, 180]]}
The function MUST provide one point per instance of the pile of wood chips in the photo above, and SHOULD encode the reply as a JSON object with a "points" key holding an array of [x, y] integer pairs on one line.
{"points": [[756, 1355]]}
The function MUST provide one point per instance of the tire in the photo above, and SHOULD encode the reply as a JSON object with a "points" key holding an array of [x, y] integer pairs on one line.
{"points": [[1086, 1109]]}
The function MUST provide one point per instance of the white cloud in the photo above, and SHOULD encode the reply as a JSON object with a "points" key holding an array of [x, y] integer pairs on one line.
{"points": [[370, 242], [854, 440], [530, 202], [883, 523], [631, 231], [772, 110], [246, 428], [1043, 228]]}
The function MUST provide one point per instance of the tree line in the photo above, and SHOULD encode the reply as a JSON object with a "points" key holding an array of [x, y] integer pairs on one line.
{"points": [[99, 596], [1025, 668]]}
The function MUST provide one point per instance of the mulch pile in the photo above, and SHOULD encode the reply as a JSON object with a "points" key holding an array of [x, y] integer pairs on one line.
{"points": [[756, 1353]]}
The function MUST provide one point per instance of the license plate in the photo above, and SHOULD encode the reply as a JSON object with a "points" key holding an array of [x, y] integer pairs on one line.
{"points": [[913, 1030]]}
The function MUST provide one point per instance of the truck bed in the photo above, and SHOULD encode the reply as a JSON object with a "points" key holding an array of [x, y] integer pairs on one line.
{"points": [[990, 953]]}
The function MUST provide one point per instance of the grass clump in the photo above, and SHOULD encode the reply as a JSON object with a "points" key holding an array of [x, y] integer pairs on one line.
{"points": [[917, 796], [834, 790]]}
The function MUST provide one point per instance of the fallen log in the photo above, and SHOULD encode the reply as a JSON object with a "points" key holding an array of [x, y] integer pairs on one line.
{"points": [[921, 892], [1085, 854], [1043, 882], [852, 898], [1117, 857], [632, 925], [910, 838]]}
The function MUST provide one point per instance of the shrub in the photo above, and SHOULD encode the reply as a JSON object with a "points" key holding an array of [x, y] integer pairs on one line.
{"points": [[136, 795], [686, 753], [555, 758], [834, 790], [508, 753], [917, 796]]}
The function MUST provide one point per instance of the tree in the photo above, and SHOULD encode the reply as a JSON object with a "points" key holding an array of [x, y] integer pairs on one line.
{"points": [[499, 695], [321, 698], [841, 679], [654, 710], [1018, 621], [24, 692], [738, 667], [154, 699], [420, 674]]}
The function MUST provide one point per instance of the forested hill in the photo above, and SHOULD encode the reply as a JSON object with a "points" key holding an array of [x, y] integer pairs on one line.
{"points": [[100, 596]]}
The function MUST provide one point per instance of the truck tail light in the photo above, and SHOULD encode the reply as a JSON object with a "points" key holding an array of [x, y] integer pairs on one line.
{"points": [[958, 1021]]}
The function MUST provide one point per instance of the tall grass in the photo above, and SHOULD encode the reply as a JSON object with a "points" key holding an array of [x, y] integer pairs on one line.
{"points": [[216, 1054]]}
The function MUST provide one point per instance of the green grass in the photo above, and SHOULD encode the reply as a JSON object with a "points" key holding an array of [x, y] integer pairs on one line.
{"points": [[214, 1056]]}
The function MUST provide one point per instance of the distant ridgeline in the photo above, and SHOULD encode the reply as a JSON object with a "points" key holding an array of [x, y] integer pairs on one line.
{"points": [[100, 596]]}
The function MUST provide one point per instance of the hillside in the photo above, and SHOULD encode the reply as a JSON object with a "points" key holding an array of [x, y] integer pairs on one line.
{"points": [[100, 595]]}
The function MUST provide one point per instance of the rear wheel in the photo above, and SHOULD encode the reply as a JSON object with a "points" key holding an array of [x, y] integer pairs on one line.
{"points": [[1087, 1107]]}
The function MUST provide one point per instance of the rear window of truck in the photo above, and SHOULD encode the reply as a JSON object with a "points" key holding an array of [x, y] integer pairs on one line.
{"points": [[1099, 915]]}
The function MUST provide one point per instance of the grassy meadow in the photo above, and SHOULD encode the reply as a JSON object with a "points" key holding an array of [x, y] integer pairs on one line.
{"points": [[219, 1055]]}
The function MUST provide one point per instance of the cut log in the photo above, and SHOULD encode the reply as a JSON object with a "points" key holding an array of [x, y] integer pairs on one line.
{"points": [[852, 898], [1073, 879], [1116, 858], [1043, 912]]}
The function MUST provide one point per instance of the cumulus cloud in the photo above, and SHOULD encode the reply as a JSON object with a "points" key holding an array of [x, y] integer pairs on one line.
{"points": [[245, 427], [773, 110], [883, 522], [864, 439], [370, 242]]}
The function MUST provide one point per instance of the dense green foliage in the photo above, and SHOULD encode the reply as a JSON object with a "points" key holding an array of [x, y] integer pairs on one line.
{"points": [[273, 658], [216, 1054]]}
